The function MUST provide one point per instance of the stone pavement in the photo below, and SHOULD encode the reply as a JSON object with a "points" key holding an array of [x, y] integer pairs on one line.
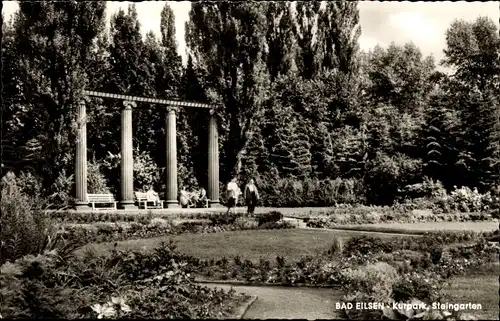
{"points": [[279, 302]]}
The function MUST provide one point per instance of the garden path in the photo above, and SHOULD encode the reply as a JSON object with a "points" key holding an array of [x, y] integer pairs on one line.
{"points": [[279, 302]]}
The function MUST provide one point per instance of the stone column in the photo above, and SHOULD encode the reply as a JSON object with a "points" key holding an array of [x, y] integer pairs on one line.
{"points": [[213, 161], [171, 166], [127, 160], [81, 160]]}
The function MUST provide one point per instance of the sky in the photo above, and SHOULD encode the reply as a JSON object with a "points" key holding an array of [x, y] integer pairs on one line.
{"points": [[423, 23]]}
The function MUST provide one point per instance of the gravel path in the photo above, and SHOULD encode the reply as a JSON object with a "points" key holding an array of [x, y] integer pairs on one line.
{"points": [[277, 302]]}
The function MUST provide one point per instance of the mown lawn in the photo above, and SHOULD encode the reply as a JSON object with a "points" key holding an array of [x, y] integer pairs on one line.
{"points": [[480, 286], [292, 244]]}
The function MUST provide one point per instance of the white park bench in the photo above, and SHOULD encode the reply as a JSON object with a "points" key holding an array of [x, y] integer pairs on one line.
{"points": [[101, 199], [145, 198]]}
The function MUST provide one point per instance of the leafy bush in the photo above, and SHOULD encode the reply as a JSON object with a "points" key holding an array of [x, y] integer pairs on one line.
{"points": [[26, 229], [337, 247], [466, 200], [62, 191], [431, 243], [224, 219], [387, 175], [122, 285], [370, 283], [423, 285], [146, 171], [28, 293], [271, 217], [96, 181], [290, 192], [400, 213], [363, 245], [427, 189]]}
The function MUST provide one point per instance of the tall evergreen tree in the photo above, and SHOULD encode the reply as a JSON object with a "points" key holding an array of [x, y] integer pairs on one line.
{"points": [[227, 42], [439, 152], [291, 154], [129, 71], [306, 33], [192, 90], [12, 99], [172, 87], [480, 136], [172, 59], [473, 51], [338, 35], [127, 75], [152, 122], [280, 39], [53, 42]]}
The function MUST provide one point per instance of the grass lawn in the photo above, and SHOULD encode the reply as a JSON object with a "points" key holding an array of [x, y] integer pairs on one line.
{"points": [[292, 244], [480, 287]]}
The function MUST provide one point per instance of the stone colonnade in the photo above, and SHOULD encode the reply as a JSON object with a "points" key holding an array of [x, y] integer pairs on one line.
{"points": [[127, 161]]}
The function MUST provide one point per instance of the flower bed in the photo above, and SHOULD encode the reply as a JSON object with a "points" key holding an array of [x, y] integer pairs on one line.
{"points": [[119, 231], [373, 216], [122, 285], [326, 268], [143, 218], [371, 269]]}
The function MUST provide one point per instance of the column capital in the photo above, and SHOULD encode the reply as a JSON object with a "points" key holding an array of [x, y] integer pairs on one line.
{"points": [[212, 111], [171, 109], [129, 104], [84, 99]]}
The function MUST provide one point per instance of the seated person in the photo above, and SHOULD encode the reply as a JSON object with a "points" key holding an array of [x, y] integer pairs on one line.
{"points": [[202, 198], [184, 198], [153, 196]]}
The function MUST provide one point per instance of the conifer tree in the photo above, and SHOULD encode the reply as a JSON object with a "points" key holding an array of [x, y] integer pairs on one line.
{"points": [[306, 33], [280, 39], [52, 44], [227, 42]]}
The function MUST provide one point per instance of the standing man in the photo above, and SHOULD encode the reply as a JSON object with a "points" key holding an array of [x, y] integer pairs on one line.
{"points": [[233, 193], [251, 196]]}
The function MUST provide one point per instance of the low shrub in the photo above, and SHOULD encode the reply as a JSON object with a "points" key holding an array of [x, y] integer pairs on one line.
{"points": [[271, 217], [97, 182], [26, 229], [405, 214], [337, 247], [365, 244], [61, 189], [288, 192], [462, 199], [429, 242], [122, 285], [224, 219], [368, 283], [423, 285]]}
